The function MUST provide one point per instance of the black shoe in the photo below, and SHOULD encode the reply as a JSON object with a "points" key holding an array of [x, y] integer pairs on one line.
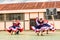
{"points": [[17, 32], [50, 29], [38, 34], [41, 34]]}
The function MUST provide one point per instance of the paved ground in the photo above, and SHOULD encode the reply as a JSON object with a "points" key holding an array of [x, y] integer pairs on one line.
{"points": [[29, 35]]}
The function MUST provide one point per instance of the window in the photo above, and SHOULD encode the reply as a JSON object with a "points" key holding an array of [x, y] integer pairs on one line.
{"points": [[55, 16], [13, 16], [1, 17], [32, 22], [47, 17], [51, 11]]}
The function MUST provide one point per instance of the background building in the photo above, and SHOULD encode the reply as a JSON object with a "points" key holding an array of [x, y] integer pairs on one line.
{"points": [[26, 13]]}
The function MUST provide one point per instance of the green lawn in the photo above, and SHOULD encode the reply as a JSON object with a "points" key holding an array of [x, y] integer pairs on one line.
{"points": [[30, 35]]}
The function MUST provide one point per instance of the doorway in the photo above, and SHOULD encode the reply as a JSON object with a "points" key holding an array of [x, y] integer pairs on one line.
{"points": [[32, 23]]}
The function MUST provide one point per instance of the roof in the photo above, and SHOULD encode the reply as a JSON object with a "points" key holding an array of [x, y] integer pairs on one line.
{"points": [[30, 5]]}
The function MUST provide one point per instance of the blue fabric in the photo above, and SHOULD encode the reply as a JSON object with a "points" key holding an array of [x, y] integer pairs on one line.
{"points": [[47, 25], [38, 27], [14, 27]]}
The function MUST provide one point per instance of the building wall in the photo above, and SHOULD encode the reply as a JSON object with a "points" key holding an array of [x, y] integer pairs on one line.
{"points": [[41, 15], [33, 15], [27, 17], [8, 24], [27, 25], [27, 21], [56, 23], [1, 25]]}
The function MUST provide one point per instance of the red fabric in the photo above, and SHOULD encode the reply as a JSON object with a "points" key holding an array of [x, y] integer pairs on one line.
{"points": [[37, 30], [14, 24], [21, 29], [8, 31], [33, 28], [17, 24], [53, 30]]}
